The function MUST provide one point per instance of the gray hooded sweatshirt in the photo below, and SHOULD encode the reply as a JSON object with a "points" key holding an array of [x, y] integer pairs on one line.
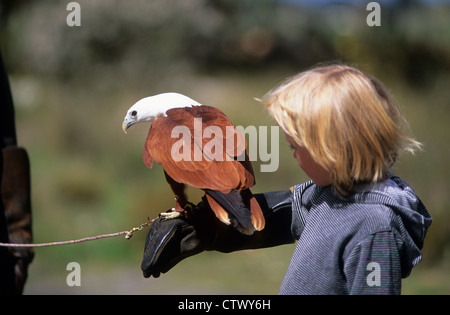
{"points": [[361, 244]]}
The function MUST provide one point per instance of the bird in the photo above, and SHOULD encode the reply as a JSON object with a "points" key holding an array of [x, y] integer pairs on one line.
{"points": [[218, 165]]}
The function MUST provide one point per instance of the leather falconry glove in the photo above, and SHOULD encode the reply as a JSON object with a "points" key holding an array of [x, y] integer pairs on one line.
{"points": [[169, 241]]}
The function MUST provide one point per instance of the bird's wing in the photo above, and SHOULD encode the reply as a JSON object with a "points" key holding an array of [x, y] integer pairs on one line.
{"points": [[218, 173]]}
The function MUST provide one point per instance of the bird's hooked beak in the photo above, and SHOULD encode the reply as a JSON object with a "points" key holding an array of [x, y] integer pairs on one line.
{"points": [[127, 123]]}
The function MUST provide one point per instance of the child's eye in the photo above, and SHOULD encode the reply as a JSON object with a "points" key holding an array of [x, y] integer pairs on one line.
{"points": [[291, 147]]}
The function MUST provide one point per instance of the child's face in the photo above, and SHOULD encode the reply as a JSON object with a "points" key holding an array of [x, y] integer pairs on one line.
{"points": [[317, 173]]}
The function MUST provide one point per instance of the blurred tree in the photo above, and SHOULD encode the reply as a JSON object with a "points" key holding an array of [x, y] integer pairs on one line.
{"points": [[148, 37]]}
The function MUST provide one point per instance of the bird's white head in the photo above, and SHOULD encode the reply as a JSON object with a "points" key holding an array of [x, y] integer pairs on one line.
{"points": [[152, 107]]}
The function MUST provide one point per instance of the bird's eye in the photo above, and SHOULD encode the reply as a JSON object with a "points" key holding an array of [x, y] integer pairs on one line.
{"points": [[133, 113]]}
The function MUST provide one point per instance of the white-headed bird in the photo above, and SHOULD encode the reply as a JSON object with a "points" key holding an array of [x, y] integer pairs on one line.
{"points": [[197, 145]]}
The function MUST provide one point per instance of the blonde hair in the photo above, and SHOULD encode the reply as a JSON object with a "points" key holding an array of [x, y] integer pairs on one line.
{"points": [[347, 121]]}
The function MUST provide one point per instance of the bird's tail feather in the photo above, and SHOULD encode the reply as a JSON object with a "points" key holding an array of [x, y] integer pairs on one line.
{"points": [[237, 208]]}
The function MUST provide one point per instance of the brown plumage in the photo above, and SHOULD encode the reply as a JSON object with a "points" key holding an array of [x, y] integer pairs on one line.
{"points": [[224, 173]]}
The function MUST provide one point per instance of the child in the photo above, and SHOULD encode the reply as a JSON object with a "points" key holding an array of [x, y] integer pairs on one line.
{"points": [[364, 227], [360, 229]]}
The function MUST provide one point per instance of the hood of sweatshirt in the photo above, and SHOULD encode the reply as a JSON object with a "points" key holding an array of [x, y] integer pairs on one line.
{"points": [[411, 220]]}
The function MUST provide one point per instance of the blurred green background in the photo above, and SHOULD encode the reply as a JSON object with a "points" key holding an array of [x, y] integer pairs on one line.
{"points": [[72, 86]]}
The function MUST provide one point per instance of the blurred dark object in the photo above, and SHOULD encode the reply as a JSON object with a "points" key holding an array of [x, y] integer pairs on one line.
{"points": [[15, 193], [15, 205]]}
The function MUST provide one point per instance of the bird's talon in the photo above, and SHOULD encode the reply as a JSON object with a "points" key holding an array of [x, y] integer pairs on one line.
{"points": [[172, 214]]}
